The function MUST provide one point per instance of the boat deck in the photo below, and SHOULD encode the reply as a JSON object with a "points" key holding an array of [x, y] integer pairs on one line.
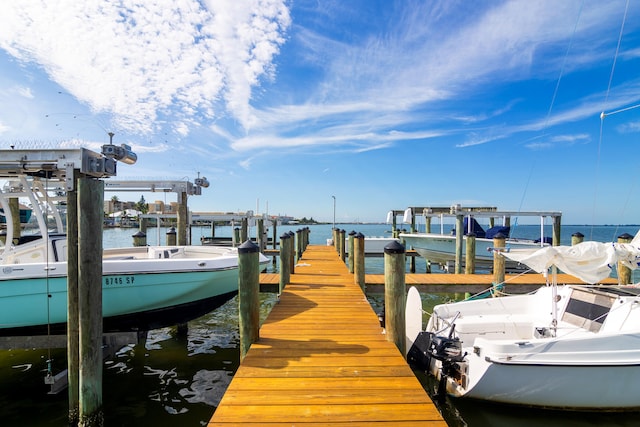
{"points": [[322, 359]]}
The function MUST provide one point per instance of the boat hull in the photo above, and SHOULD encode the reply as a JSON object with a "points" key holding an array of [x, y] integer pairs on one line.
{"points": [[515, 350], [441, 249], [590, 387], [130, 300]]}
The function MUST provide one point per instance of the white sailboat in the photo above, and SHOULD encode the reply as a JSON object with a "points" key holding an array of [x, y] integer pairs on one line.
{"points": [[575, 347]]}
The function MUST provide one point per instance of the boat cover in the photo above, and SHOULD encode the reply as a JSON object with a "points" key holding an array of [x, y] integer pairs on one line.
{"points": [[591, 262]]}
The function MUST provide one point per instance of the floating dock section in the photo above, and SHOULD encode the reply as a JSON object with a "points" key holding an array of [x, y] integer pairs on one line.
{"points": [[322, 359]]}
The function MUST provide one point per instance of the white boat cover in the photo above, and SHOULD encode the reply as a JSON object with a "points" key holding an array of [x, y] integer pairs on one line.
{"points": [[588, 261]]}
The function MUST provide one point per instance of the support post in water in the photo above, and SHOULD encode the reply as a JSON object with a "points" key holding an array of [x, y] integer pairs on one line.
{"points": [[90, 199], [236, 236], [624, 272], [395, 294], [459, 239], [350, 251], [298, 244], [342, 245], [182, 218], [470, 254], [358, 265], [499, 261], [576, 238], [244, 230], [171, 237], [285, 265], [260, 236], [248, 295], [139, 239], [292, 252], [73, 322]]}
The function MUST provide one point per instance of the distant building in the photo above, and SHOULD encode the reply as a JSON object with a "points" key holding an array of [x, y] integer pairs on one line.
{"points": [[159, 207]]}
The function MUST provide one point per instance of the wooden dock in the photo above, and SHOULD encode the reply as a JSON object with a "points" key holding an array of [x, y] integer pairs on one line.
{"points": [[450, 283], [322, 359]]}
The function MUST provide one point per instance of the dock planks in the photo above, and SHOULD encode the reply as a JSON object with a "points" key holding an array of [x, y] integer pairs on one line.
{"points": [[451, 283], [322, 359]]}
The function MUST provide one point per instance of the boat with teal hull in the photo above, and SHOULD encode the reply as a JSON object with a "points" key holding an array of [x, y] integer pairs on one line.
{"points": [[144, 287]]}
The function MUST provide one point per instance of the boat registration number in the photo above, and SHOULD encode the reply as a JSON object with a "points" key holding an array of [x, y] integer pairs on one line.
{"points": [[118, 280]]}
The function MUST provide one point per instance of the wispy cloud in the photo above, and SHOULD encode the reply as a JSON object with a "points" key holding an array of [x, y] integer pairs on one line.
{"points": [[145, 62]]}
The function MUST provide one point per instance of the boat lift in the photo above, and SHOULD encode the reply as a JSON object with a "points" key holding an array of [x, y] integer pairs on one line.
{"points": [[72, 166], [181, 187]]}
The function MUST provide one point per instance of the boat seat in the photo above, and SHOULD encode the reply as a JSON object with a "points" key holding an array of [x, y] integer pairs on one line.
{"points": [[119, 258]]}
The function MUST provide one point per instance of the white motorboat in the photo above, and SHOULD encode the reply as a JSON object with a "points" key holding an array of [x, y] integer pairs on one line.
{"points": [[567, 347], [143, 287], [440, 247]]}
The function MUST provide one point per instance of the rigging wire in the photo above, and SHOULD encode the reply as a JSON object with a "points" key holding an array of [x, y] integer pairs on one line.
{"points": [[603, 114], [553, 100]]}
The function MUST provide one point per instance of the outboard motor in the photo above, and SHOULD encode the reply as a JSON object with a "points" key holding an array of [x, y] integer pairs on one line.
{"points": [[446, 349], [419, 354]]}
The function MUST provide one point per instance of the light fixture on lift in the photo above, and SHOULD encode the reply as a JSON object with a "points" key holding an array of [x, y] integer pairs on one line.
{"points": [[122, 153], [201, 182]]}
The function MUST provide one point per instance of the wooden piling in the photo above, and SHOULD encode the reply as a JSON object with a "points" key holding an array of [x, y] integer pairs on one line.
{"points": [[260, 236], [499, 263], [350, 265], [470, 254], [73, 321], [624, 272], [358, 262], [395, 294], [285, 265], [139, 239], [556, 231], [248, 295], [459, 239], [171, 237], [341, 239], [274, 241], [298, 244], [244, 230], [144, 224], [292, 252], [90, 200], [577, 238], [182, 219], [236, 237]]}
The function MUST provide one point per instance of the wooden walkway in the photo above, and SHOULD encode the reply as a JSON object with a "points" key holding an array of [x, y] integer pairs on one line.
{"points": [[322, 360], [451, 283]]}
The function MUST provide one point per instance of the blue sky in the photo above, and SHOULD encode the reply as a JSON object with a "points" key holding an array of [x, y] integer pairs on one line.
{"points": [[382, 104]]}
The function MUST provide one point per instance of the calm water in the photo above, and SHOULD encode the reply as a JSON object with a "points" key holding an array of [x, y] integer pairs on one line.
{"points": [[171, 380]]}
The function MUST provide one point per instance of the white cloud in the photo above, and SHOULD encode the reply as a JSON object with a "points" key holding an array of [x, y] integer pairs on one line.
{"points": [[145, 60]]}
